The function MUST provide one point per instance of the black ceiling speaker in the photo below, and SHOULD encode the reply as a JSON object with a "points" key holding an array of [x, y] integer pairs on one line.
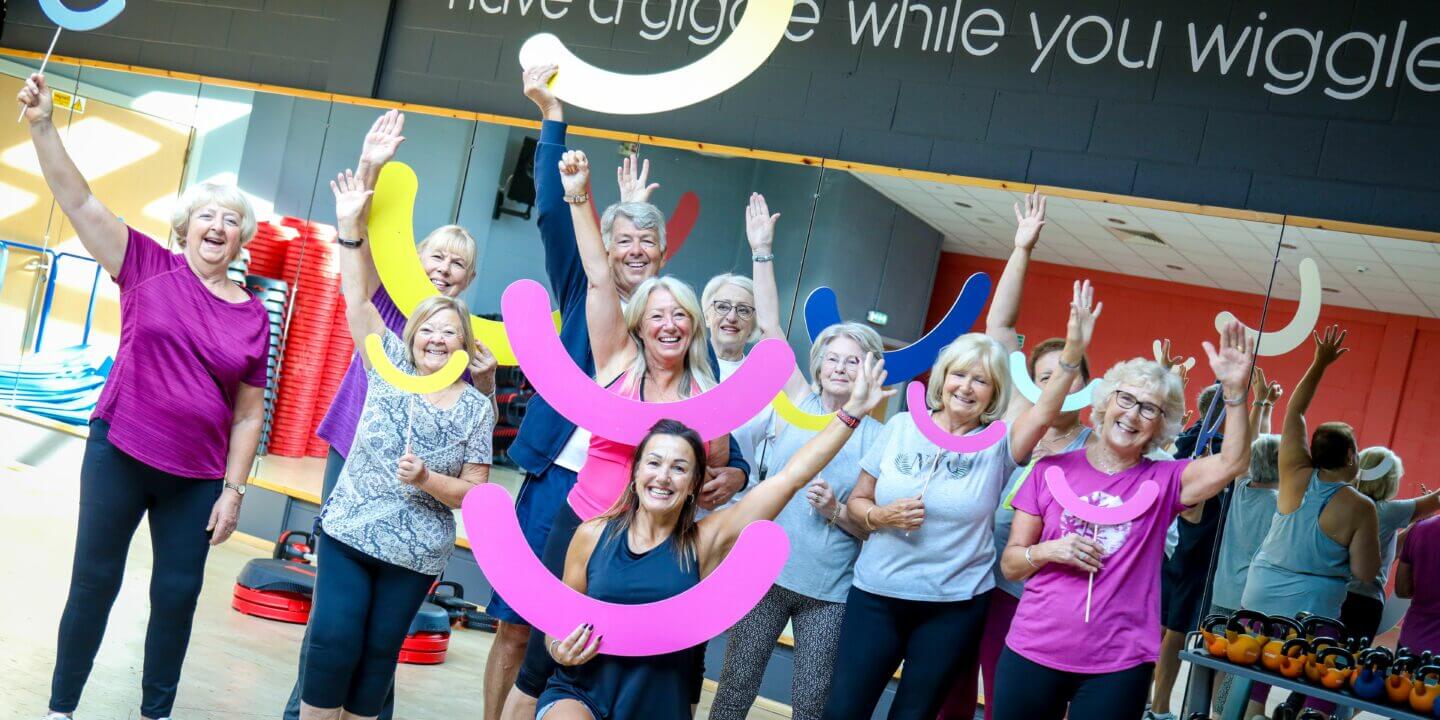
{"points": [[519, 186]]}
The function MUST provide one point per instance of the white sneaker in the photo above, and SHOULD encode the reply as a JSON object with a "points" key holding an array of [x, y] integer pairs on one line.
{"points": [[56, 716]]}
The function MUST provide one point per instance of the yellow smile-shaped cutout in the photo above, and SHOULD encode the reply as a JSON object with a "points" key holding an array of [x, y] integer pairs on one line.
{"points": [[791, 413], [418, 384], [392, 244], [579, 83]]}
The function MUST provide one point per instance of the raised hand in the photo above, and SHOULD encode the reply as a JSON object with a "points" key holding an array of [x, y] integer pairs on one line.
{"points": [[482, 368], [1330, 346], [575, 172], [1084, 311], [1028, 220], [36, 100], [759, 224], [1231, 363], [383, 139], [537, 88], [579, 647], [869, 390], [632, 176], [350, 199]]}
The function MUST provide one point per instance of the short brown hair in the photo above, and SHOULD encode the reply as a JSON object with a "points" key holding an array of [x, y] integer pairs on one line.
{"points": [[1054, 344], [1332, 445]]}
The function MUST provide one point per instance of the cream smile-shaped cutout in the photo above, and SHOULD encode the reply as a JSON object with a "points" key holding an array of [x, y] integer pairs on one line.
{"points": [[1078, 400], [1307, 314], [581, 84]]}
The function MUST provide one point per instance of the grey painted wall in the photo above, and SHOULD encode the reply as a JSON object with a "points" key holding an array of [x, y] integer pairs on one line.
{"points": [[1161, 130]]}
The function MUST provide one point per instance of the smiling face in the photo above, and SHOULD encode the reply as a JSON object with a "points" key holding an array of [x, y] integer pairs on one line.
{"points": [[839, 366], [448, 271], [665, 329], [967, 392], [664, 474], [1127, 431], [729, 331], [1046, 366], [212, 236], [435, 339], [635, 254]]}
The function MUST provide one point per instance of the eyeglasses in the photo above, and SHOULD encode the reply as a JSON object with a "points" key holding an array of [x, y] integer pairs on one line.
{"points": [[850, 362], [1125, 401], [724, 307]]}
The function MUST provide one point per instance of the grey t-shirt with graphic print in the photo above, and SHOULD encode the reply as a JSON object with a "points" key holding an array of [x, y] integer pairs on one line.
{"points": [[948, 558], [370, 509]]}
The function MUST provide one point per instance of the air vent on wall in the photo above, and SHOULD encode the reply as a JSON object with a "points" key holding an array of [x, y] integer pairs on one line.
{"points": [[1136, 237]]}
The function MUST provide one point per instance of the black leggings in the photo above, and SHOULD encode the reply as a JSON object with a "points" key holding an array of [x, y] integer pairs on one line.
{"points": [[116, 490], [363, 608], [932, 638], [1029, 691], [1361, 615]]}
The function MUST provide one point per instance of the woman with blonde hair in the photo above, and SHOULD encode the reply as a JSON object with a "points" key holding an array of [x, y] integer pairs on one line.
{"points": [[389, 527], [174, 432], [923, 579]]}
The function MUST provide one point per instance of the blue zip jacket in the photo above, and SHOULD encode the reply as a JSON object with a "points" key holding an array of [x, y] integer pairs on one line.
{"points": [[544, 432]]}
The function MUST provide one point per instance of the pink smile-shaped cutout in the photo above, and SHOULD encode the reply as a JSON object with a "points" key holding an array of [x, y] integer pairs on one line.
{"points": [[1126, 511], [704, 611], [920, 413], [713, 414]]}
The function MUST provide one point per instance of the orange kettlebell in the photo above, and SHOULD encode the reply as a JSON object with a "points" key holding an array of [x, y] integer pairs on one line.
{"points": [[1425, 688], [1282, 629], [1336, 666], [1212, 630], [1398, 684], [1313, 668], [1245, 636], [1293, 655]]}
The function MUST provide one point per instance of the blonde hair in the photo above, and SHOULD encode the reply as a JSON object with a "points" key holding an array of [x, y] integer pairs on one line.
{"points": [[863, 335], [697, 357], [1149, 375], [1385, 487], [744, 283], [203, 193], [969, 350], [455, 240], [427, 309]]}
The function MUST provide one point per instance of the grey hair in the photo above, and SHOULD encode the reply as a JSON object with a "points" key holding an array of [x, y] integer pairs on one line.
{"points": [[740, 281], [1149, 375], [863, 335], [642, 214], [969, 350], [1385, 487], [201, 194], [1265, 459]]}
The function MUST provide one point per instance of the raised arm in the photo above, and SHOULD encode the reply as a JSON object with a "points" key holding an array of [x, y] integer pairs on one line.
{"points": [[760, 234], [1206, 477], [103, 235], [1263, 408], [379, 148], [351, 197], [1030, 425], [632, 176], [1295, 463], [609, 340], [1005, 304], [765, 501]]}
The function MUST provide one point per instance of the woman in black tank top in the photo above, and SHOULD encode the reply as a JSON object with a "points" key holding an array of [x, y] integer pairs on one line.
{"points": [[649, 547]]}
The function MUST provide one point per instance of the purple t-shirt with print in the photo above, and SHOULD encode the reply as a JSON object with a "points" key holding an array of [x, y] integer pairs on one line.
{"points": [[1049, 626], [338, 427], [183, 353], [1421, 630]]}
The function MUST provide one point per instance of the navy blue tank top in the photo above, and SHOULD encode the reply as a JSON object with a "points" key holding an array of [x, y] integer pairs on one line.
{"points": [[620, 688]]}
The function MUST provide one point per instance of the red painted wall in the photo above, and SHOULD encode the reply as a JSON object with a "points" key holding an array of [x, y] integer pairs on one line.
{"points": [[1384, 386]]}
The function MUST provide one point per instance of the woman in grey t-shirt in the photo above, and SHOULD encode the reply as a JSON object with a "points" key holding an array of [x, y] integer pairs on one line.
{"points": [[388, 525], [923, 579]]}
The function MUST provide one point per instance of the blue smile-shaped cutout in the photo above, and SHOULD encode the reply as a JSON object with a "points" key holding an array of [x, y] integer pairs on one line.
{"points": [[81, 20]]}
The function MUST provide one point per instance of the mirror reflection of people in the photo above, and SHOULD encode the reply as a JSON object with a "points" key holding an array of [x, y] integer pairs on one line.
{"points": [[825, 539], [1050, 665], [923, 580], [174, 432], [447, 256], [389, 526], [648, 547]]}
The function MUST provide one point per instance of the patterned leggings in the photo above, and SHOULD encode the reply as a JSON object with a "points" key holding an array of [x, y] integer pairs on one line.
{"points": [[748, 647]]}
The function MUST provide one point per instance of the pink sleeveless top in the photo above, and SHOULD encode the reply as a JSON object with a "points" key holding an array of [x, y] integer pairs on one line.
{"points": [[602, 479]]}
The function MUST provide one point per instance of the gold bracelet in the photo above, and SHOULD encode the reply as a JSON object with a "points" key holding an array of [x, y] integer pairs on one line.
{"points": [[868, 526]]}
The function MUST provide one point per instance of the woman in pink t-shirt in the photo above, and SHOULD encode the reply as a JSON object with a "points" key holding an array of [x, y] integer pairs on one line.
{"points": [[1058, 658], [175, 429]]}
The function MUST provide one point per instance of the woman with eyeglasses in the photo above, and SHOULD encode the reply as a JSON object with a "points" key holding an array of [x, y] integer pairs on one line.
{"points": [[1085, 636], [810, 592]]}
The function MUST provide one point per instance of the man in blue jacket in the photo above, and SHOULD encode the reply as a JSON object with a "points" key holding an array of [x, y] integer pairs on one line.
{"points": [[550, 448]]}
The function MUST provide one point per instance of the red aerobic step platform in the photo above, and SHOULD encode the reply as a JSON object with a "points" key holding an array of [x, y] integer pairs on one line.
{"points": [[272, 604], [425, 648]]}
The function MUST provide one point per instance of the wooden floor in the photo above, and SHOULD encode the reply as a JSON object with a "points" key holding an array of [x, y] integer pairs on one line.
{"points": [[238, 667]]}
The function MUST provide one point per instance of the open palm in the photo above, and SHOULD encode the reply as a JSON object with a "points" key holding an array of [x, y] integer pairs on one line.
{"points": [[383, 139], [1231, 362]]}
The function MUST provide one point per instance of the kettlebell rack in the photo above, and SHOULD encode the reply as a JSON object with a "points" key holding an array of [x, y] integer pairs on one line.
{"points": [[1203, 667]]}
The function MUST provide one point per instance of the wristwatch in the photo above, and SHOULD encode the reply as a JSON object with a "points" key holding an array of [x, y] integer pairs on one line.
{"points": [[349, 243], [239, 488], [579, 199]]}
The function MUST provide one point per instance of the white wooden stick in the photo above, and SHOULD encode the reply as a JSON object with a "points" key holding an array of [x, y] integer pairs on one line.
{"points": [[43, 63], [409, 421], [1090, 589]]}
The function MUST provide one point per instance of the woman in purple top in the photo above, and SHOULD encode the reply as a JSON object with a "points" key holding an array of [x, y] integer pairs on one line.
{"points": [[175, 430], [1418, 578], [1100, 665]]}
